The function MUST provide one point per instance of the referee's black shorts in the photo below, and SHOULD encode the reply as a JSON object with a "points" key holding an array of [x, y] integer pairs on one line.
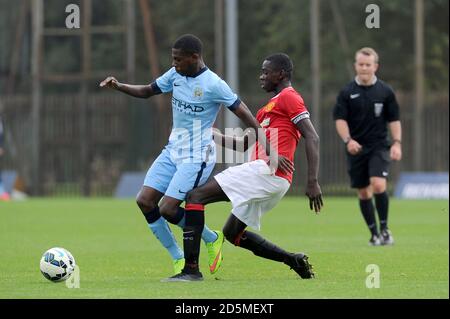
{"points": [[370, 162]]}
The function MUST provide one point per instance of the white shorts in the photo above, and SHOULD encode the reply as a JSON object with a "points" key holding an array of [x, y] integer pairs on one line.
{"points": [[252, 190]]}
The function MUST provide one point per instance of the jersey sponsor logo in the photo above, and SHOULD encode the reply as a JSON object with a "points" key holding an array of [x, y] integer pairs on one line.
{"points": [[354, 96], [265, 123], [182, 106], [378, 109], [269, 106]]}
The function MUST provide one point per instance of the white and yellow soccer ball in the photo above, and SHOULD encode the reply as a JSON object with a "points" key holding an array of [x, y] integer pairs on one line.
{"points": [[57, 264]]}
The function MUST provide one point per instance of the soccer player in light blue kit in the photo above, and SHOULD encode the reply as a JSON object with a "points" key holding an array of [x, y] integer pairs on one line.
{"points": [[189, 157]]}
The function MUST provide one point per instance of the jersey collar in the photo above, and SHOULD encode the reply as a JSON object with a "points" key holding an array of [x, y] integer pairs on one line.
{"points": [[199, 72], [288, 87], [375, 79]]}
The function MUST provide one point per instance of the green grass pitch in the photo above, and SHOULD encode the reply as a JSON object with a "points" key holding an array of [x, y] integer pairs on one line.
{"points": [[120, 258]]}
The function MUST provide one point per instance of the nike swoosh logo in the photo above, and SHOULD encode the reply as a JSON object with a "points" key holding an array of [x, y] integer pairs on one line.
{"points": [[213, 266], [182, 192], [354, 96], [176, 84]]}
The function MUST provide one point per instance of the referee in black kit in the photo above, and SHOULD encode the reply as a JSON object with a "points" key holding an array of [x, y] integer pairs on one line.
{"points": [[363, 111]]}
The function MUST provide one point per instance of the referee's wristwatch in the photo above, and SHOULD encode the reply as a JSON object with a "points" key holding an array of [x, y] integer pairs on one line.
{"points": [[347, 139]]}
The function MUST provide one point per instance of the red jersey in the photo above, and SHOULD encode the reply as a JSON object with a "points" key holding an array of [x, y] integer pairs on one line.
{"points": [[278, 118]]}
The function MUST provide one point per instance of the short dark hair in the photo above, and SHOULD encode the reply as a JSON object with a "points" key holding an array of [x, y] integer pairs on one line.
{"points": [[281, 61], [189, 43], [368, 52]]}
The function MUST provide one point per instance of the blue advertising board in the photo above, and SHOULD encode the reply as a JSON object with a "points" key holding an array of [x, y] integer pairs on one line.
{"points": [[422, 185]]}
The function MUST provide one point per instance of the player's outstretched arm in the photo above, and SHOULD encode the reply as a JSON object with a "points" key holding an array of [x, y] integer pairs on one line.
{"points": [[246, 116], [312, 140], [141, 91]]}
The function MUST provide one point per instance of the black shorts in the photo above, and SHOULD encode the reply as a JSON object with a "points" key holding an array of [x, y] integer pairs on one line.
{"points": [[373, 162]]}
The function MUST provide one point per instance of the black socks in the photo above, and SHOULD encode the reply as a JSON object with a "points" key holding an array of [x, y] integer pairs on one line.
{"points": [[368, 213], [192, 234], [153, 215], [262, 247], [382, 204]]}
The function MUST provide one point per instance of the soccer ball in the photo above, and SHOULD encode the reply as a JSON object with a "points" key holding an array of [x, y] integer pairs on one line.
{"points": [[57, 264]]}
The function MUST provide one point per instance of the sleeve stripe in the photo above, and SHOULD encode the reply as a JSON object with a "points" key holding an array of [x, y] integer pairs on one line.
{"points": [[234, 105], [299, 117], [155, 88]]}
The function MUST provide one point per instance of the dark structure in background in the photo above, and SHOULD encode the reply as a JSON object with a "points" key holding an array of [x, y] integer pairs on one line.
{"points": [[65, 137]]}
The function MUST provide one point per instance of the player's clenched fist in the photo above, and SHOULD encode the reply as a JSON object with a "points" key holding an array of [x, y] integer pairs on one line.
{"points": [[110, 82]]}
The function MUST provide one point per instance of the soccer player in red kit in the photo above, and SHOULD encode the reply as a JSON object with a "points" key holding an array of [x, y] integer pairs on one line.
{"points": [[255, 187]]}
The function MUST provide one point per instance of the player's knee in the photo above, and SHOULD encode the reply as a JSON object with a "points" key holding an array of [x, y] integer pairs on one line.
{"points": [[378, 190], [194, 197], [365, 193], [145, 204], [168, 211], [378, 187]]}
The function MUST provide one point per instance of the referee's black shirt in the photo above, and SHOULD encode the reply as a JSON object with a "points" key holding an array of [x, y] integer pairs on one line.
{"points": [[367, 110]]}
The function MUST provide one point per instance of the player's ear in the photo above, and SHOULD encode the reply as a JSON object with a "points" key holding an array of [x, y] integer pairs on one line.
{"points": [[195, 56]]}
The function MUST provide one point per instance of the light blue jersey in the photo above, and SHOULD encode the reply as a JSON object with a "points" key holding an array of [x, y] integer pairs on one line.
{"points": [[189, 157], [196, 102]]}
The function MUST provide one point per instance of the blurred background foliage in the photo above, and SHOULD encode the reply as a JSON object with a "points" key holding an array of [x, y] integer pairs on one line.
{"points": [[118, 133], [265, 26]]}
